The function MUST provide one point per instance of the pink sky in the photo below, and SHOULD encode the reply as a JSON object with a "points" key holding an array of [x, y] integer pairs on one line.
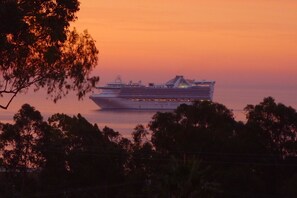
{"points": [[231, 41]]}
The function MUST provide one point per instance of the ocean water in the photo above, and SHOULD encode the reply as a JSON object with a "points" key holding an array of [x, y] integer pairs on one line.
{"points": [[125, 121]]}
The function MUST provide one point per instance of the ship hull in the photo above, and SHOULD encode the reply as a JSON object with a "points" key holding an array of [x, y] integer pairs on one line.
{"points": [[123, 103]]}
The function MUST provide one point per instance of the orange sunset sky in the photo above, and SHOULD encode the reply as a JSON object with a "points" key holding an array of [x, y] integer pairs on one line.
{"points": [[241, 44], [247, 43]]}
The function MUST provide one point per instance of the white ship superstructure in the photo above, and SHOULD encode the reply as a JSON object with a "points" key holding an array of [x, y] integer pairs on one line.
{"points": [[119, 95]]}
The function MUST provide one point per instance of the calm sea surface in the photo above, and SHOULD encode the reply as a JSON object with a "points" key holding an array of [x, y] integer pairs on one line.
{"points": [[125, 121]]}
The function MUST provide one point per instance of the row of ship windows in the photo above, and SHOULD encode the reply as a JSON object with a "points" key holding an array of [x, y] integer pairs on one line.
{"points": [[161, 99]]}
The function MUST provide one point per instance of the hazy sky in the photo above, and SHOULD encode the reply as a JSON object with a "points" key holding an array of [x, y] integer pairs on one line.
{"points": [[239, 42]]}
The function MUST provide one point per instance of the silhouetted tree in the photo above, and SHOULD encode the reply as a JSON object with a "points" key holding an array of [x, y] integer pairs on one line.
{"points": [[201, 132], [203, 127], [207, 132], [21, 155], [66, 157], [274, 126], [276, 123], [87, 154], [38, 49]]}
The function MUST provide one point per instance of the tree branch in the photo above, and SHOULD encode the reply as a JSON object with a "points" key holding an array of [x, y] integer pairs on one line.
{"points": [[7, 105], [16, 91]]}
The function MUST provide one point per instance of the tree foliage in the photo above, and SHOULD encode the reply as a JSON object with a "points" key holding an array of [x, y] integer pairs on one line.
{"points": [[198, 150], [191, 128], [39, 50], [20, 139], [60, 155], [20, 147], [276, 124]]}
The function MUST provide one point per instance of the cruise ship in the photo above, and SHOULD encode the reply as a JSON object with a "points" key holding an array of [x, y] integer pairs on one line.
{"points": [[167, 96]]}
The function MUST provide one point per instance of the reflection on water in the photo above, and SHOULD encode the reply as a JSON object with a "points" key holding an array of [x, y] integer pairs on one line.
{"points": [[123, 121]]}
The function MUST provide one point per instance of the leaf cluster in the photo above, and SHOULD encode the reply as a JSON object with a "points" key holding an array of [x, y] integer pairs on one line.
{"points": [[39, 50]]}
